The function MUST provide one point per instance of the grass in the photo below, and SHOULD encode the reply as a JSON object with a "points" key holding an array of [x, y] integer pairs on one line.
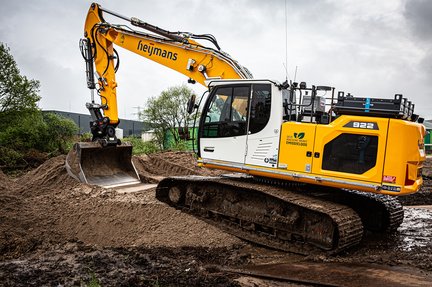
{"points": [[94, 282]]}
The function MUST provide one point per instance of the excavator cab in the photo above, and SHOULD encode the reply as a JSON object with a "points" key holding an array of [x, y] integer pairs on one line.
{"points": [[108, 167]]}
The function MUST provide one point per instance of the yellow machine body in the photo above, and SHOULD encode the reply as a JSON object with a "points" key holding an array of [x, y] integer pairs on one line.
{"points": [[395, 171], [395, 168], [367, 152]]}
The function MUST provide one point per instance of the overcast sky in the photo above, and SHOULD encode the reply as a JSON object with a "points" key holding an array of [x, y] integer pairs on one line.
{"points": [[369, 48]]}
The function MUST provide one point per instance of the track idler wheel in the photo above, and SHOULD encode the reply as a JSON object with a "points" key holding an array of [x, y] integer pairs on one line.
{"points": [[176, 195]]}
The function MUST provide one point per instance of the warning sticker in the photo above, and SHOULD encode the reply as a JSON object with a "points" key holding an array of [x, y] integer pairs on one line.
{"points": [[389, 178]]}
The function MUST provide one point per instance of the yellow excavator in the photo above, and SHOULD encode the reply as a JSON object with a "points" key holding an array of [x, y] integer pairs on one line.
{"points": [[310, 168]]}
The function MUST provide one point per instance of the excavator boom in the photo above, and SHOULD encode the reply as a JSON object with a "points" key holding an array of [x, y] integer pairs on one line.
{"points": [[107, 161], [175, 50]]}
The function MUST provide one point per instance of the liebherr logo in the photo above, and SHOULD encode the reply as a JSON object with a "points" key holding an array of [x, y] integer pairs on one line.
{"points": [[152, 50]]}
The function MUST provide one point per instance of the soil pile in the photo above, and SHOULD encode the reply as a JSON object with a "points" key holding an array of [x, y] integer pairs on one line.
{"points": [[152, 168], [12, 225], [50, 177], [6, 183], [52, 222]]}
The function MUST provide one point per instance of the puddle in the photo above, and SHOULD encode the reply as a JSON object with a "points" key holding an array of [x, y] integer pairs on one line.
{"points": [[416, 229]]}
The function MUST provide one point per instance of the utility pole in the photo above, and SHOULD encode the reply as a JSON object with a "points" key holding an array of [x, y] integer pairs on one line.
{"points": [[138, 113]]}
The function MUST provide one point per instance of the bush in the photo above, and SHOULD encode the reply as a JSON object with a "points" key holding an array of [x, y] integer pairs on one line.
{"points": [[11, 158], [25, 132], [86, 137], [32, 134], [141, 147], [59, 133], [180, 146]]}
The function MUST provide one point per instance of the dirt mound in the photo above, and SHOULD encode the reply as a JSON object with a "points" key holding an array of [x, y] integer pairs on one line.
{"points": [[14, 221], [136, 222], [48, 177], [152, 168], [5, 182], [47, 206]]}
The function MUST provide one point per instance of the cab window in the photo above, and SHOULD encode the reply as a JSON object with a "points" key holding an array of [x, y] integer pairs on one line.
{"points": [[226, 115], [260, 107]]}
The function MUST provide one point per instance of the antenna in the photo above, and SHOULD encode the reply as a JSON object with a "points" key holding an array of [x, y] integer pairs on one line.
{"points": [[295, 74], [286, 43]]}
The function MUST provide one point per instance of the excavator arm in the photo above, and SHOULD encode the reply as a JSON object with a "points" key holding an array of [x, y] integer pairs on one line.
{"points": [[175, 50], [106, 161]]}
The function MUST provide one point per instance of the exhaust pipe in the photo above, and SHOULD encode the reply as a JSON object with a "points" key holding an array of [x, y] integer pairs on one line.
{"points": [[107, 167]]}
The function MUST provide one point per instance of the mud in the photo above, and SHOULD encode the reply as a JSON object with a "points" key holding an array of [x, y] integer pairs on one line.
{"points": [[55, 231], [77, 264]]}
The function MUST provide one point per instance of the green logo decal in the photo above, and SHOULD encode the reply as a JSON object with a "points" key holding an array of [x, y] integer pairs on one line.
{"points": [[297, 139], [299, 135]]}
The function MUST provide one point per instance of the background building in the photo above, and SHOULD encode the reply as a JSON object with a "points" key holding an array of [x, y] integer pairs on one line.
{"points": [[129, 127]]}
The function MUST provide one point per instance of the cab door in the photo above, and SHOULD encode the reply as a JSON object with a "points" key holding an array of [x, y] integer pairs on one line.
{"points": [[265, 118], [223, 124]]}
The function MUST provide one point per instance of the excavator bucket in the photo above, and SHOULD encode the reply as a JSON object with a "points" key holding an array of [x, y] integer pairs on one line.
{"points": [[108, 167]]}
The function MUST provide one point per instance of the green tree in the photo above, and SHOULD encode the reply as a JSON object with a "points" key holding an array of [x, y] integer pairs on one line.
{"points": [[17, 93], [167, 112], [27, 135]]}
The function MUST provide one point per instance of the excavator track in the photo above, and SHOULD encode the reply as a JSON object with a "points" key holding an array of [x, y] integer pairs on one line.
{"points": [[272, 216], [379, 213]]}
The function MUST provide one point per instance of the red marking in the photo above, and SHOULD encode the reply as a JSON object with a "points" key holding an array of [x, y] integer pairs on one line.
{"points": [[389, 178]]}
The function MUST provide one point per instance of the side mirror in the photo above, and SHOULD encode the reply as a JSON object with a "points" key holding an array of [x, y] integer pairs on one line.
{"points": [[191, 104]]}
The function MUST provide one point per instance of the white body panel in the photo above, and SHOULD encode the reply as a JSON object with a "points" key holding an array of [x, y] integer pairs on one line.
{"points": [[260, 149], [263, 146]]}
